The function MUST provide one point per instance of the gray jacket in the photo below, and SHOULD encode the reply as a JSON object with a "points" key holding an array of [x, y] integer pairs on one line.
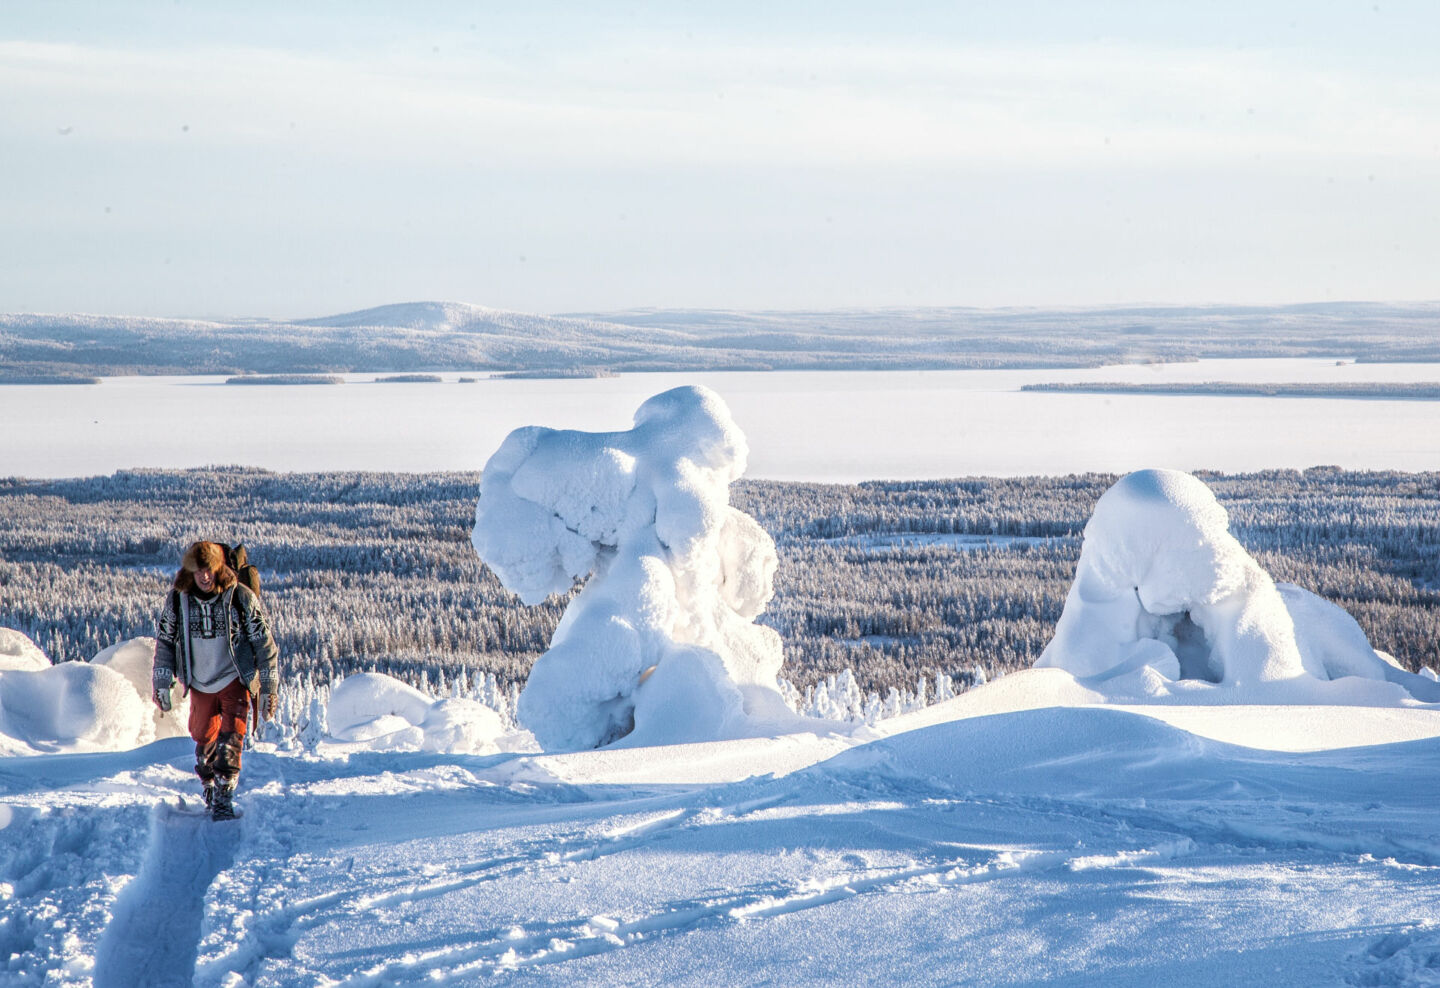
{"points": [[252, 648]]}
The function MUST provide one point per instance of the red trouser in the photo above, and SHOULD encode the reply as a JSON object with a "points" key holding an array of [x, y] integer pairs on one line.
{"points": [[217, 724]]}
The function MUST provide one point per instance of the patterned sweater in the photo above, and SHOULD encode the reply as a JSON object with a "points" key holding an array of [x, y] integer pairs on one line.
{"points": [[251, 647]]}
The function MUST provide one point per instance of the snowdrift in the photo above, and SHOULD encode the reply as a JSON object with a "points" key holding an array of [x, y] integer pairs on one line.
{"points": [[1164, 593], [19, 653], [388, 714], [104, 705], [660, 646], [75, 705]]}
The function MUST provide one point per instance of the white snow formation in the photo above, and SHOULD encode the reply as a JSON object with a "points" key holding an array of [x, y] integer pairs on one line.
{"points": [[19, 653], [134, 659], [661, 644], [386, 713], [1163, 586], [71, 706]]}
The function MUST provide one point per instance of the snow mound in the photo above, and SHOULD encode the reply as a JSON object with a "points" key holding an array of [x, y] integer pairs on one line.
{"points": [[134, 659], [385, 713], [1109, 753], [1328, 635], [18, 652], [72, 705], [1163, 592], [661, 646]]}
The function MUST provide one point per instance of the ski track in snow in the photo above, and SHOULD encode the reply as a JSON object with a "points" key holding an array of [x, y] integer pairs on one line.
{"points": [[271, 934], [586, 937], [155, 927], [274, 932]]}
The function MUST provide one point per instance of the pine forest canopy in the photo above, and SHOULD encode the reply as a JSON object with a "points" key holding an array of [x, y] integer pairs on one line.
{"points": [[890, 579]]}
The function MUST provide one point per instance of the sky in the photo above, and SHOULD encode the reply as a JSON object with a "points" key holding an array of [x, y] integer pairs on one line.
{"points": [[281, 160]]}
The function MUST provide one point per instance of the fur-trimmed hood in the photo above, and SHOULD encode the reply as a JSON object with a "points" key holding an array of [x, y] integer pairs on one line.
{"points": [[204, 555]]}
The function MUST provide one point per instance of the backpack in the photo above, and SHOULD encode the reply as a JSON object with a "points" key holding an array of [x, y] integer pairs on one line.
{"points": [[239, 560]]}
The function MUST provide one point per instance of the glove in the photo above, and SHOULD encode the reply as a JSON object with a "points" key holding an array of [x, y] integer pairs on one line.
{"points": [[162, 699], [269, 703]]}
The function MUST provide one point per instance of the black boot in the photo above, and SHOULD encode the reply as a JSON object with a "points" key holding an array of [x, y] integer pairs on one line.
{"points": [[222, 806], [209, 792]]}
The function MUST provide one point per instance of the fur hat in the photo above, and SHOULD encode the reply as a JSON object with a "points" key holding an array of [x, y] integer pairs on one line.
{"points": [[204, 555]]}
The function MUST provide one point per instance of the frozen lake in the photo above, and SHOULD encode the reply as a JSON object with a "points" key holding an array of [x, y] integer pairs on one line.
{"points": [[830, 426]]}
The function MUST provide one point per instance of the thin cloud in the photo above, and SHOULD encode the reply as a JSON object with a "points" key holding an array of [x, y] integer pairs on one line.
{"points": [[653, 103]]}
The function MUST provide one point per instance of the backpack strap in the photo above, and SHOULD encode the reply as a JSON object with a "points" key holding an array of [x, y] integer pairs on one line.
{"points": [[182, 601]]}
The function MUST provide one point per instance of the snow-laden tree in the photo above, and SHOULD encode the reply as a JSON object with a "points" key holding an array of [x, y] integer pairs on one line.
{"points": [[662, 641], [1161, 583]]}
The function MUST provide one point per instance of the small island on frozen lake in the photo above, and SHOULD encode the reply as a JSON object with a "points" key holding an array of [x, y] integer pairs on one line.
{"points": [[1335, 389], [48, 379], [558, 373], [285, 379]]}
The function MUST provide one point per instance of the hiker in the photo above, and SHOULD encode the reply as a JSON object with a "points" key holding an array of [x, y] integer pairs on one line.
{"points": [[213, 639]]}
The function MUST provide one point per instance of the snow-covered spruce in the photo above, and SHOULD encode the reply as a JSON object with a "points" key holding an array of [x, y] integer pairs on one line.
{"points": [[1163, 586], [661, 645]]}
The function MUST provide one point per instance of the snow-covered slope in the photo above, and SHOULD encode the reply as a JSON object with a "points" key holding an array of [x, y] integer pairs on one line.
{"points": [[998, 838], [462, 317]]}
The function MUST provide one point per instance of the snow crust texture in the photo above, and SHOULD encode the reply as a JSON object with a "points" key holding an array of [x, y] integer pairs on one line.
{"points": [[660, 646], [1163, 592]]}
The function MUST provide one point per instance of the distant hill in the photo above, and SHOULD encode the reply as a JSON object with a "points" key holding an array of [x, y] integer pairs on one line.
{"points": [[433, 336]]}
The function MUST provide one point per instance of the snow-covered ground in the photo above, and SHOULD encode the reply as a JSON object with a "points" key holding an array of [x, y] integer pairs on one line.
{"points": [[1020, 833]]}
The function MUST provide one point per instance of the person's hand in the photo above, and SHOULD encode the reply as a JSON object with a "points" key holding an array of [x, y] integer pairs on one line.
{"points": [[162, 699], [269, 703]]}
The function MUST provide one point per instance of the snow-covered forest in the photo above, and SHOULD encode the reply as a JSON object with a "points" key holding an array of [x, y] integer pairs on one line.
{"points": [[1207, 778], [893, 580]]}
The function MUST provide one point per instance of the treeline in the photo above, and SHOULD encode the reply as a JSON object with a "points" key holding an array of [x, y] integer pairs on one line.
{"points": [[369, 570]]}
